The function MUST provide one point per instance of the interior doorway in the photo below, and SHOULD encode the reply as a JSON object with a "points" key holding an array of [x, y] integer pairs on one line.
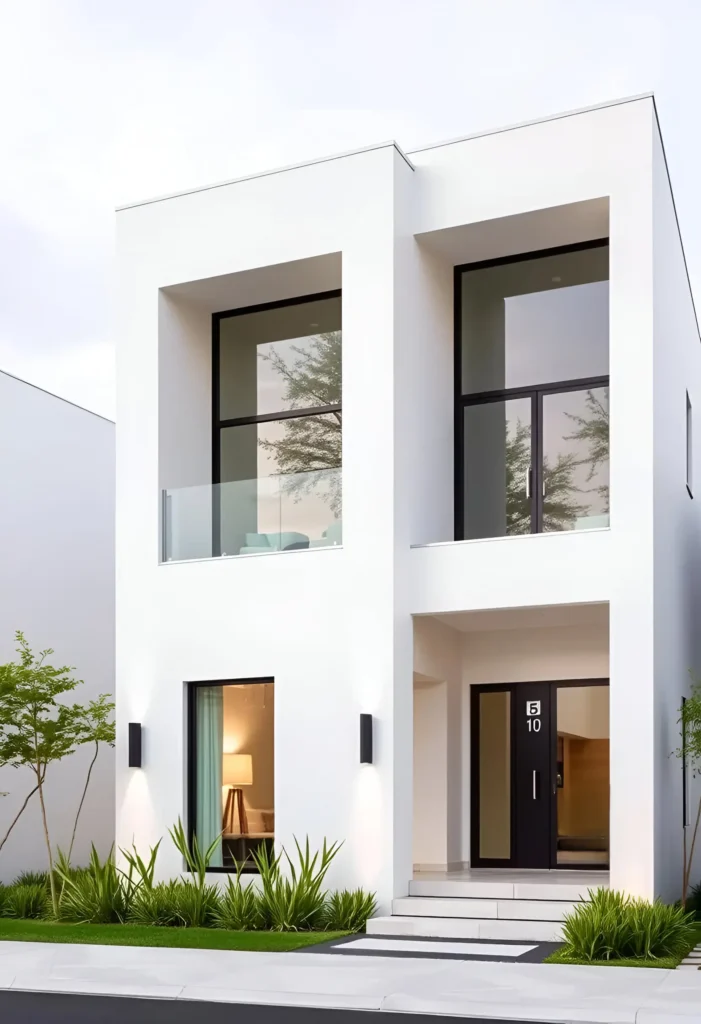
{"points": [[540, 774]]}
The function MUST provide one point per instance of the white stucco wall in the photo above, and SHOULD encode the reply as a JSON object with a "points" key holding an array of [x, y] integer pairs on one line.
{"points": [[677, 521], [334, 627], [57, 572]]}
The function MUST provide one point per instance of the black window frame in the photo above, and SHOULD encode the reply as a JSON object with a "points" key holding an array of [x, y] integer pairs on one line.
{"points": [[191, 789], [241, 421], [534, 392]]}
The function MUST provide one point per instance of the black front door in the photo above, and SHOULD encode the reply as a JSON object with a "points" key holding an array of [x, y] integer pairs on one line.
{"points": [[540, 774], [534, 782]]}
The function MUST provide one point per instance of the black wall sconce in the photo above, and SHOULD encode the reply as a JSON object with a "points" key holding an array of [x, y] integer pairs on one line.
{"points": [[366, 739], [135, 744]]}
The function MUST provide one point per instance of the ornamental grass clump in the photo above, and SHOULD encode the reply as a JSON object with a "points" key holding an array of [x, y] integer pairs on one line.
{"points": [[26, 901], [239, 906], [613, 926], [349, 910], [294, 901], [96, 895]]}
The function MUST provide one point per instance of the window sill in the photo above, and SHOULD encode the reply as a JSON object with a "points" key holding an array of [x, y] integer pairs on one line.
{"points": [[514, 537]]}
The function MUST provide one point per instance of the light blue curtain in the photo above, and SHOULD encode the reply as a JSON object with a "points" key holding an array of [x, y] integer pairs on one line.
{"points": [[210, 754]]}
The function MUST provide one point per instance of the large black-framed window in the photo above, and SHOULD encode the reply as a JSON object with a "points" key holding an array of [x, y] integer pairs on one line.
{"points": [[531, 443], [231, 769], [277, 425]]}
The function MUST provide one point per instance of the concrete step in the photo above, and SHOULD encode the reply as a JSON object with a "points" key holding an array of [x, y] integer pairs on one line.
{"points": [[490, 890], [465, 928], [513, 910]]}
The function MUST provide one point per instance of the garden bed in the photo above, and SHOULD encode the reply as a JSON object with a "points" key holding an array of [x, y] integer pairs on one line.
{"points": [[12, 930]]}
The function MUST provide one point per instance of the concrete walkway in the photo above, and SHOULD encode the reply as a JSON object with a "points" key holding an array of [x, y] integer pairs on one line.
{"points": [[515, 991]]}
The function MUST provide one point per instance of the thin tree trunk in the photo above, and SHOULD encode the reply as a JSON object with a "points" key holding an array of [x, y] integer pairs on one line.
{"points": [[18, 816], [52, 880], [691, 855], [82, 800], [684, 867]]}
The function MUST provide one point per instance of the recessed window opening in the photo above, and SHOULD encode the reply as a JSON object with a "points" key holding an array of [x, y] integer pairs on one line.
{"points": [[232, 769]]}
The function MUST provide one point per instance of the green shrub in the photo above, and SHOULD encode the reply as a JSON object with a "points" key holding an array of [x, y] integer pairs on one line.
{"points": [[348, 910], [33, 878], [28, 901], [158, 905], [93, 896], [613, 926], [239, 906], [197, 906], [294, 902]]}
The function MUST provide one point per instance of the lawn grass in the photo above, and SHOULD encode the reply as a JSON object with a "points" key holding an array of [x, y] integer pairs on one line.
{"points": [[146, 935], [559, 957]]}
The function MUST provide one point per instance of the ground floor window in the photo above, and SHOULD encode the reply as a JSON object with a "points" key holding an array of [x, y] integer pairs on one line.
{"points": [[232, 769]]}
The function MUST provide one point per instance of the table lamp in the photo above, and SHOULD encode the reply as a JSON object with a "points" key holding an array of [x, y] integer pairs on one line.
{"points": [[238, 772]]}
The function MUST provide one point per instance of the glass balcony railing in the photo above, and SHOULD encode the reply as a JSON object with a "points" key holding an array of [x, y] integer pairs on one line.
{"points": [[243, 517]]}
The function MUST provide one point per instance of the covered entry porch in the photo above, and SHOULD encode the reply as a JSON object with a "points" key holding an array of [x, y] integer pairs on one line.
{"points": [[511, 743]]}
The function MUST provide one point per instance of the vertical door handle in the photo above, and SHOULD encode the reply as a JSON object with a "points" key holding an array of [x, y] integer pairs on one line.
{"points": [[528, 482], [535, 784]]}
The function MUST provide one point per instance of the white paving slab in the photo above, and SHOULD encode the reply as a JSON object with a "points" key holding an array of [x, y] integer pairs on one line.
{"points": [[417, 946], [515, 990]]}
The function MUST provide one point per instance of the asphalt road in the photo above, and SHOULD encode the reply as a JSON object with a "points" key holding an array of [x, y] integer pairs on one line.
{"points": [[31, 1007]]}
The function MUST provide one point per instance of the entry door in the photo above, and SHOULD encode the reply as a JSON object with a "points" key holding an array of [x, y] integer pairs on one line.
{"points": [[535, 783], [513, 776]]}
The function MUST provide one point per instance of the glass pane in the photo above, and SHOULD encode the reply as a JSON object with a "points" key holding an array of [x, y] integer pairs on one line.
{"points": [[495, 774], [583, 774], [497, 463], [261, 515], [280, 359], [535, 322], [576, 460], [234, 770]]}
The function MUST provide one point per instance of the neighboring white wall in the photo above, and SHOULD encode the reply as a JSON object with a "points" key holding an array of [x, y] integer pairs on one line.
{"points": [[57, 570], [677, 523]]}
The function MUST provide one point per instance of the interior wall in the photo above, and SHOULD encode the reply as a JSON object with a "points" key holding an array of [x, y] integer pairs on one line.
{"points": [[249, 715], [583, 711]]}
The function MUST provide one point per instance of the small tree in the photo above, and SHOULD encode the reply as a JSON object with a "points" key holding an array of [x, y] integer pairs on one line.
{"points": [[97, 729], [37, 729], [690, 751]]}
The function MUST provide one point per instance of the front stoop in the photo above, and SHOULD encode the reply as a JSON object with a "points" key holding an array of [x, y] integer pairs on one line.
{"points": [[475, 909]]}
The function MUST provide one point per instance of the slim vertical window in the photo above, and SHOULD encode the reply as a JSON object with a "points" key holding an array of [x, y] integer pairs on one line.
{"points": [[689, 448], [685, 772], [231, 772]]}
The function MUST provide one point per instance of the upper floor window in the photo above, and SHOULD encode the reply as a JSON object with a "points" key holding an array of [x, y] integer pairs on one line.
{"points": [[534, 413], [278, 426]]}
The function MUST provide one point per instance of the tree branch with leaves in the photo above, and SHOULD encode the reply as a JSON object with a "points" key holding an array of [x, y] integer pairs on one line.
{"points": [[38, 728]]}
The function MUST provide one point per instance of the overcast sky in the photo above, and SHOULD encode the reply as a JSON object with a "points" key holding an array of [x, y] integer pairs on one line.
{"points": [[107, 101]]}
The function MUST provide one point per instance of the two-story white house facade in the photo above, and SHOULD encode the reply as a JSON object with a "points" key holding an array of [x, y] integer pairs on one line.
{"points": [[411, 436]]}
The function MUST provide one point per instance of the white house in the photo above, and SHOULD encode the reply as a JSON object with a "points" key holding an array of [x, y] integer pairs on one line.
{"points": [[57, 586], [486, 538]]}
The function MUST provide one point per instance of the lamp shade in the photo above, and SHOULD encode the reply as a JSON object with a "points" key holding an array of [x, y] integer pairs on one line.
{"points": [[238, 770]]}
